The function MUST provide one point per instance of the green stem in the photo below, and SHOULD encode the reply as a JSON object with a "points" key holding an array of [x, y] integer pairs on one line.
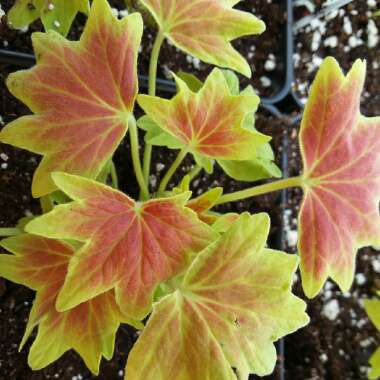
{"points": [[152, 92], [136, 158], [194, 172], [46, 203], [114, 178], [154, 63], [169, 174], [263, 189], [4, 232]]}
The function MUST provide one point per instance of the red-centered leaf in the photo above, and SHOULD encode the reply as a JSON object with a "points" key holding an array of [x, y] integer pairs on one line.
{"points": [[208, 122], [82, 94], [232, 304], [204, 29], [341, 155], [89, 328], [129, 246]]}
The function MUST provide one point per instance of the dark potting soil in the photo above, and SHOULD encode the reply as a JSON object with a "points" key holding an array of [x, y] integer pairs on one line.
{"points": [[347, 34], [267, 79]]}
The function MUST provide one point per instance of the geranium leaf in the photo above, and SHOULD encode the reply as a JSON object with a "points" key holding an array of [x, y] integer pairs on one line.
{"points": [[82, 94], [90, 328], [372, 308], [210, 122], [224, 222], [204, 203], [259, 167], [129, 246], [232, 304], [195, 84], [204, 162], [260, 164], [374, 361], [55, 15], [233, 82], [204, 29], [341, 180], [191, 80], [155, 135]]}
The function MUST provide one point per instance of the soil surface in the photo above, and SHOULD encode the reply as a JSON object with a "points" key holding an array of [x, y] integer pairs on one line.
{"points": [[332, 346], [348, 34]]}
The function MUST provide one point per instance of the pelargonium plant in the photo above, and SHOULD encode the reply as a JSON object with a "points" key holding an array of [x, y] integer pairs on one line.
{"points": [[208, 294]]}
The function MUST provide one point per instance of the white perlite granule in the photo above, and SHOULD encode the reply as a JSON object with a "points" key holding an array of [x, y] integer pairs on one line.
{"points": [[360, 279], [373, 34], [4, 156], [331, 310]]}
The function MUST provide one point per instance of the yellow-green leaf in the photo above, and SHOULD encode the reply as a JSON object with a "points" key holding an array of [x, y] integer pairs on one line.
{"points": [[55, 15], [232, 304], [372, 308], [205, 29]]}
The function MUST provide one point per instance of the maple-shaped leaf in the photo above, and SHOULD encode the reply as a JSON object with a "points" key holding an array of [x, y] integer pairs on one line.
{"points": [[82, 94], [55, 15], [90, 328], [372, 308], [203, 203], [232, 304], [260, 167], [209, 122], [206, 201], [204, 29], [129, 246], [341, 180]]}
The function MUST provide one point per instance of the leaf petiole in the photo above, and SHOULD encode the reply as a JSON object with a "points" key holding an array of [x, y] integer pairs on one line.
{"points": [[262, 189], [136, 158], [169, 174], [152, 92], [46, 203], [194, 172], [114, 178]]}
